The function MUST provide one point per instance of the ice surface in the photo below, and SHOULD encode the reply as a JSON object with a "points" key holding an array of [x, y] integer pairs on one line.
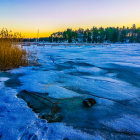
{"points": [[110, 74], [19, 122], [126, 123], [2, 79]]}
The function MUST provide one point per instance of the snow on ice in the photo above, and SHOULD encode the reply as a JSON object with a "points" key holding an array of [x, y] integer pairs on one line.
{"points": [[109, 74]]}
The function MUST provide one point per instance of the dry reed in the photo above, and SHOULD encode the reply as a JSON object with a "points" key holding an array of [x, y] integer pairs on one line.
{"points": [[11, 53]]}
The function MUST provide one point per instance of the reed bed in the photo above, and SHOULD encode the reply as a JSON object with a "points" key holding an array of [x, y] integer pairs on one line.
{"points": [[12, 55]]}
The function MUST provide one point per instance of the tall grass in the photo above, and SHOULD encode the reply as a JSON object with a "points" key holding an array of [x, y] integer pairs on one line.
{"points": [[11, 53]]}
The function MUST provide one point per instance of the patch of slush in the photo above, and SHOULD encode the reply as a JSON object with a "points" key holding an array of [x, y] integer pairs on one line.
{"points": [[17, 121]]}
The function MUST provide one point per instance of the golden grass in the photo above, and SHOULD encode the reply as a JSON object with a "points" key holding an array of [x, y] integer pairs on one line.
{"points": [[11, 53]]}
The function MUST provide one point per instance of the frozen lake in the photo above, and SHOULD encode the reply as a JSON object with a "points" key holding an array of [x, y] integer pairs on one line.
{"points": [[68, 75]]}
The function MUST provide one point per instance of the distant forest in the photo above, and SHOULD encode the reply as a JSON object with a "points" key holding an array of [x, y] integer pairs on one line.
{"points": [[97, 35]]}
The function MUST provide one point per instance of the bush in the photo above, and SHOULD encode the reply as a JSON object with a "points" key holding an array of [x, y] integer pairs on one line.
{"points": [[11, 53]]}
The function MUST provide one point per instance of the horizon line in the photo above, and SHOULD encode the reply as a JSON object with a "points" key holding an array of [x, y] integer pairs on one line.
{"points": [[34, 34], [74, 29]]}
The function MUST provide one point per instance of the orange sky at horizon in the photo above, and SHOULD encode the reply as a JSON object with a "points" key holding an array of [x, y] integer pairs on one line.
{"points": [[51, 16], [34, 34]]}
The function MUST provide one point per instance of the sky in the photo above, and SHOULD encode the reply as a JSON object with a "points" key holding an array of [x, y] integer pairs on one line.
{"points": [[27, 16]]}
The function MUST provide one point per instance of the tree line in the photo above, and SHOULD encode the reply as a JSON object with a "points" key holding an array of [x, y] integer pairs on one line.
{"points": [[98, 35]]}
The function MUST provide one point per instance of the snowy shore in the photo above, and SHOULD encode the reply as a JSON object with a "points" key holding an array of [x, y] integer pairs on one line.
{"points": [[110, 74]]}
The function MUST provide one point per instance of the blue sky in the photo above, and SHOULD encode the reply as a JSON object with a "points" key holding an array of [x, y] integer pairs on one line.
{"points": [[53, 15]]}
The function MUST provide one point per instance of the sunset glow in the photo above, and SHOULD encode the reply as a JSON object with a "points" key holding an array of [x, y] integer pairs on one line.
{"points": [[27, 16]]}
